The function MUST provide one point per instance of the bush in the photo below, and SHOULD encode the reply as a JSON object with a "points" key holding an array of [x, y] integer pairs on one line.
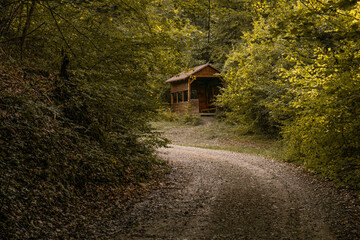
{"points": [[168, 115], [183, 118], [191, 119]]}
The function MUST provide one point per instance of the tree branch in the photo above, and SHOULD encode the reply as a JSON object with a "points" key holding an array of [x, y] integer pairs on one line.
{"points": [[26, 27], [58, 27]]}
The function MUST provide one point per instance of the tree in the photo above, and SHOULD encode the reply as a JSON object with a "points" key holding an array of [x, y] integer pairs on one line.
{"points": [[323, 87], [298, 71], [221, 24], [77, 85], [251, 72]]}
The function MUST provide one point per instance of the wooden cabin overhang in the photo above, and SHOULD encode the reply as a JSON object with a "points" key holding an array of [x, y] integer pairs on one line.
{"points": [[195, 90]]}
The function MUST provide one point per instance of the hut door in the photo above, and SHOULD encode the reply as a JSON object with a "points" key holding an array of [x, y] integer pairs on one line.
{"points": [[203, 100]]}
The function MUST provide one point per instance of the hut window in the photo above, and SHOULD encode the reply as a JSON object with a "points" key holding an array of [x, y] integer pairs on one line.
{"points": [[186, 96], [194, 94], [174, 95], [180, 96]]}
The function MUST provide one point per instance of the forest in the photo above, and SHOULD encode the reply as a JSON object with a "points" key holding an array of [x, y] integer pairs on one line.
{"points": [[82, 79]]}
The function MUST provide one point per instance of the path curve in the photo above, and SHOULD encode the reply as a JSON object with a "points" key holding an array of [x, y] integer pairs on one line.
{"points": [[213, 194]]}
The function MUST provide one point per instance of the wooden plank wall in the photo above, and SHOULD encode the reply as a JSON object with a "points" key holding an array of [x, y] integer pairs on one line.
{"points": [[206, 72], [179, 86], [182, 106]]}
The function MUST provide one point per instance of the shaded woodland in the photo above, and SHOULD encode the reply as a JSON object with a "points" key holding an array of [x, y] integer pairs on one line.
{"points": [[80, 80]]}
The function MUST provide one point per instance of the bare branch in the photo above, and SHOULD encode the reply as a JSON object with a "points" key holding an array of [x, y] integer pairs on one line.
{"points": [[26, 27], [28, 34], [72, 25], [58, 27]]}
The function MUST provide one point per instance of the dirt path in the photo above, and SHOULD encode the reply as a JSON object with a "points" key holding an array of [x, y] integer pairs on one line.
{"points": [[214, 194]]}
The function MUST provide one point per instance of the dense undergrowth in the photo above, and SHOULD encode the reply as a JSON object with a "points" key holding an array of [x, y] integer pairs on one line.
{"points": [[58, 150], [186, 118], [75, 102]]}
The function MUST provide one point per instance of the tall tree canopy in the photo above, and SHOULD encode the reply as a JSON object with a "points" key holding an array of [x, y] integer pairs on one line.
{"points": [[221, 24]]}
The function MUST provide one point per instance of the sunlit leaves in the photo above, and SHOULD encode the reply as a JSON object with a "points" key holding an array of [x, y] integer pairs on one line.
{"points": [[307, 52], [324, 86], [251, 71]]}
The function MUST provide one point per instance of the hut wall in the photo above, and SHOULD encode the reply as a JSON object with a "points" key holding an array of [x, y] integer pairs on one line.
{"points": [[184, 106], [206, 72], [178, 87]]}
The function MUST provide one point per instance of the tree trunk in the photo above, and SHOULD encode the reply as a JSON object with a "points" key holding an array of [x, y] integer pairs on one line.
{"points": [[26, 27]]}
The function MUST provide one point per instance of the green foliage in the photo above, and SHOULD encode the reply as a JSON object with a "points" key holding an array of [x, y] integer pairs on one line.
{"points": [[191, 119], [297, 71], [168, 115], [250, 74], [81, 79], [221, 24], [186, 118], [324, 132], [77, 92]]}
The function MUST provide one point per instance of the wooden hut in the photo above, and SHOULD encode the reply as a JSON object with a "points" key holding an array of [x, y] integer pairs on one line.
{"points": [[195, 90]]}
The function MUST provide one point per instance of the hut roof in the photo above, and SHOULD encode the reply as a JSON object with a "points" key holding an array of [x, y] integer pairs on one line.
{"points": [[184, 75]]}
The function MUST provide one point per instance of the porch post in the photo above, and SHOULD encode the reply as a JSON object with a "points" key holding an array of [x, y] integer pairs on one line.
{"points": [[189, 89]]}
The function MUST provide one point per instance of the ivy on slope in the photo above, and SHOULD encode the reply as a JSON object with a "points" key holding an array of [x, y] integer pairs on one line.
{"points": [[76, 95]]}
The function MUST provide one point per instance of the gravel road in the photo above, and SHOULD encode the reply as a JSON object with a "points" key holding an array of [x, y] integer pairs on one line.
{"points": [[213, 194]]}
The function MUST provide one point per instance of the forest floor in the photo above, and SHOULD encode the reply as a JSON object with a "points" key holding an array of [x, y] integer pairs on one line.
{"points": [[218, 194]]}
